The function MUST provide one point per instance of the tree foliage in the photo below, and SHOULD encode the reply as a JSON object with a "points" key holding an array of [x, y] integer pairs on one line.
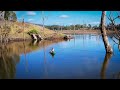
{"points": [[72, 27], [33, 32], [10, 15]]}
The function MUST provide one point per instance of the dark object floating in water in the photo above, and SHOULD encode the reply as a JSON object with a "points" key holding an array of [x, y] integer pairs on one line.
{"points": [[52, 53]]}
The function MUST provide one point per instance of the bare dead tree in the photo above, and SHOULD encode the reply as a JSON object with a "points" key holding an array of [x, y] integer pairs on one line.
{"points": [[104, 34], [23, 29], [113, 19], [43, 19], [43, 22]]}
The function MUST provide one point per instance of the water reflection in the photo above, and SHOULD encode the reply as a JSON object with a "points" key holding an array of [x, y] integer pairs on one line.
{"points": [[8, 62], [113, 47], [10, 56], [116, 76], [119, 47], [72, 59], [45, 61], [105, 65], [52, 54], [25, 55]]}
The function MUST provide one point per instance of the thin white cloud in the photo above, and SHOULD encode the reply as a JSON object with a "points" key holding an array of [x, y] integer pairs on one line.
{"points": [[30, 19], [20, 18], [64, 16], [31, 13], [57, 22], [95, 23], [70, 23]]}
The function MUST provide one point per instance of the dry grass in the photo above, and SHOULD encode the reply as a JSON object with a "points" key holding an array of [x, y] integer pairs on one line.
{"points": [[18, 30], [82, 31]]}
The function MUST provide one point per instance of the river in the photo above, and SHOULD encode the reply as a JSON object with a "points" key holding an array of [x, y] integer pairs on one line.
{"points": [[83, 57]]}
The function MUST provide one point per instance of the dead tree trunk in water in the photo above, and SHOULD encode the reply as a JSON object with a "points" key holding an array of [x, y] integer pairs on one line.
{"points": [[104, 35]]}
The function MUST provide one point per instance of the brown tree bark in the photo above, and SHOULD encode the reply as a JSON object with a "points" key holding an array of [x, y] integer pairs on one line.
{"points": [[108, 48]]}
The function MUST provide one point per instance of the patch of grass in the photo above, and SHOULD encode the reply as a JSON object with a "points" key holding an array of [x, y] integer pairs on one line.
{"points": [[33, 32]]}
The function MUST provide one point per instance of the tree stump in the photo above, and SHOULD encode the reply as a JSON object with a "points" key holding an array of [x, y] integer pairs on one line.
{"points": [[34, 37]]}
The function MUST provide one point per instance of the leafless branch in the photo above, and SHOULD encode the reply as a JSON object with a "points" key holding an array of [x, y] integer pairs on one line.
{"points": [[112, 20]]}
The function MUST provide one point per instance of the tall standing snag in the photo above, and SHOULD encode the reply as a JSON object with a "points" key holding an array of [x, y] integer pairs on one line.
{"points": [[104, 35], [43, 21], [23, 30]]}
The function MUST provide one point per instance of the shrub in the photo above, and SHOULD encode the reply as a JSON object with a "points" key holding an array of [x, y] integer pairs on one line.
{"points": [[33, 31]]}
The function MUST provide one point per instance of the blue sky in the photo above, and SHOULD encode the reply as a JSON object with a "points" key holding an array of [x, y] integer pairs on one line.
{"points": [[61, 17]]}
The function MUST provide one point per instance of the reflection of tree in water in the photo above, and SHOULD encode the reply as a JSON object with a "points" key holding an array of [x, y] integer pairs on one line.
{"points": [[9, 55], [8, 62], [105, 64], [116, 76], [25, 55], [104, 68], [45, 61]]}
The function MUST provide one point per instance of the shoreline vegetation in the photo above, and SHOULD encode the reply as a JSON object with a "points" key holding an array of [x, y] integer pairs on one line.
{"points": [[19, 32]]}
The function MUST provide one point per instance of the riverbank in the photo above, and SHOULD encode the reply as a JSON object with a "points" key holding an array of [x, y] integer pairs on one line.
{"points": [[54, 36], [82, 31], [18, 31]]}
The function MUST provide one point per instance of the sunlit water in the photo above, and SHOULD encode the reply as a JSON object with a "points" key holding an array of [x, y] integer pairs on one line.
{"points": [[80, 58]]}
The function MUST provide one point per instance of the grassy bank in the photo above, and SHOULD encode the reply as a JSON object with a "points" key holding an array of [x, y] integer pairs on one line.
{"points": [[19, 31]]}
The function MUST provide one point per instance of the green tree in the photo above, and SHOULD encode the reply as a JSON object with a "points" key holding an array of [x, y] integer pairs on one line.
{"points": [[89, 26], [10, 15], [7, 14]]}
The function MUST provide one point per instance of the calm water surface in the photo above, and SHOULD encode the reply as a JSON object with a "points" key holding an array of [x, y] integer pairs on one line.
{"points": [[80, 58]]}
